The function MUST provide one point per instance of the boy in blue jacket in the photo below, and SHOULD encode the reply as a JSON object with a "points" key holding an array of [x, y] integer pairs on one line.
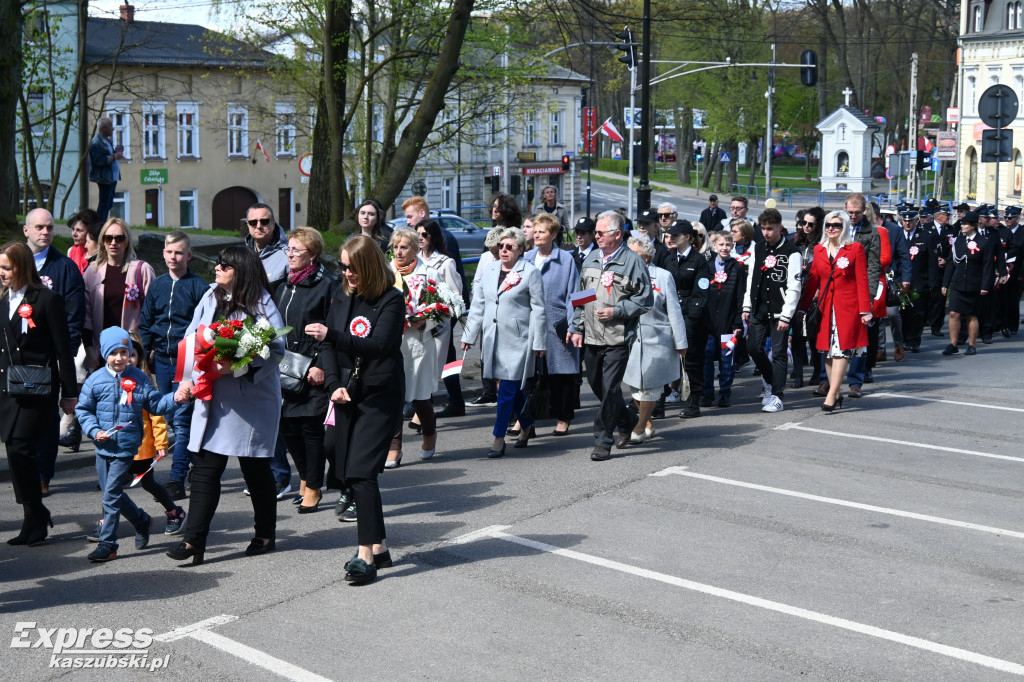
{"points": [[110, 409]]}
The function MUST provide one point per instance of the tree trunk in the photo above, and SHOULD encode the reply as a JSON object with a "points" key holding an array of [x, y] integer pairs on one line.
{"points": [[684, 144], [11, 24], [319, 177], [336, 55], [712, 163], [752, 159], [731, 171], [394, 177]]}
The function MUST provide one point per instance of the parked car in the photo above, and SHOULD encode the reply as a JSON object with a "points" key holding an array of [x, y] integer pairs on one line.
{"points": [[469, 235]]}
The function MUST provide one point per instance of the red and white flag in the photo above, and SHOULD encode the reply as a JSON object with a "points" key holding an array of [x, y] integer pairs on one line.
{"points": [[728, 342], [135, 481], [609, 129], [259, 147], [452, 369], [583, 297]]}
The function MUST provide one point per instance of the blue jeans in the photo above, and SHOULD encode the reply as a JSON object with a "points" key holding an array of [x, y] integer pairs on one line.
{"points": [[180, 421], [279, 465], [714, 351], [115, 473], [106, 200], [511, 400]]}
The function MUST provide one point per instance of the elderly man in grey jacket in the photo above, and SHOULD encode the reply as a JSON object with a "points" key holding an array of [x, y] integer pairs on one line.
{"points": [[606, 326]]}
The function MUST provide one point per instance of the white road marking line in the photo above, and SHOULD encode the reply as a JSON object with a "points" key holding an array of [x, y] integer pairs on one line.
{"points": [[937, 400], [201, 631], [486, 532], [796, 426], [680, 471], [853, 626]]}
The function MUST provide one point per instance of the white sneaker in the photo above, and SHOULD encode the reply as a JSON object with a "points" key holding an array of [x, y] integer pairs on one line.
{"points": [[635, 437], [774, 404], [673, 397], [766, 396]]}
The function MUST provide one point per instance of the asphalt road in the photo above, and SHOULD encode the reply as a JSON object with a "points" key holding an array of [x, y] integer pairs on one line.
{"points": [[880, 542]]}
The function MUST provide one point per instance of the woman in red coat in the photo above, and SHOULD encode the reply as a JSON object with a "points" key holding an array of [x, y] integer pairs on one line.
{"points": [[839, 272]]}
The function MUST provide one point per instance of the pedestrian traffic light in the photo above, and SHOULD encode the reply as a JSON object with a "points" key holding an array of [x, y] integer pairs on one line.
{"points": [[629, 47], [565, 163], [809, 68]]}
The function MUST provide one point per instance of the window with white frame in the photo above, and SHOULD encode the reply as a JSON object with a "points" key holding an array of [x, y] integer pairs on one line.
{"points": [[285, 129], [188, 130], [555, 129], [994, 75], [1019, 10], [238, 131], [492, 129], [154, 129], [36, 110], [118, 113], [979, 18], [446, 192], [119, 207], [530, 129], [971, 94], [188, 203]]}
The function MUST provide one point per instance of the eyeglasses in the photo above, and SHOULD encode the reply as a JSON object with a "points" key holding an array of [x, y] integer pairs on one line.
{"points": [[834, 226], [224, 266], [662, 216], [424, 234], [508, 247], [259, 221], [855, 212], [296, 252], [599, 233], [736, 208], [119, 238], [342, 268]]}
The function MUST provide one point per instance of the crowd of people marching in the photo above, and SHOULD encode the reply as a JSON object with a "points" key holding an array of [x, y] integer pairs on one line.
{"points": [[281, 357]]}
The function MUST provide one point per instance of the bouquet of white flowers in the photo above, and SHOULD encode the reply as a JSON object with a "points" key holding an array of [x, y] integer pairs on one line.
{"points": [[429, 299]]}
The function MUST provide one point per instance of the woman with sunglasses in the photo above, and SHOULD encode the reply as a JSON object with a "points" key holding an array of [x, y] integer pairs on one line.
{"points": [[433, 253], [241, 419], [838, 279], [115, 288], [808, 234]]}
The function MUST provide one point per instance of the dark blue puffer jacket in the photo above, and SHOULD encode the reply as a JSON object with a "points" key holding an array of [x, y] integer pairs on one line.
{"points": [[100, 409]]}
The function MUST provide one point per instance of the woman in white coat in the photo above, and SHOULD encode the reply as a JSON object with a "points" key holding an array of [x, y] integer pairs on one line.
{"points": [[508, 314], [659, 345], [419, 345], [433, 253], [241, 418]]}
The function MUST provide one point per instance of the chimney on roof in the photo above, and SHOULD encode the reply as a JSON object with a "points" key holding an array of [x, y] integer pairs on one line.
{"points": [[127, 13]]}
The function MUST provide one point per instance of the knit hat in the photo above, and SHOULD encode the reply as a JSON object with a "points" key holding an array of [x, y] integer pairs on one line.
{"points": [[113, 338]]}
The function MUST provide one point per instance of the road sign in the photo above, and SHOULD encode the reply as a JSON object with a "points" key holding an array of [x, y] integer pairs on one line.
{"points": [[154, 176], [725, 157], [953, 115], [889, 150], [419, 188], [306, 164], [996, 145], [998, 106], [945, 146]]}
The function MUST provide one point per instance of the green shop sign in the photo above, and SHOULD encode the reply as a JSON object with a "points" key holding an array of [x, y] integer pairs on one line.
{"points": [[154, 176]]}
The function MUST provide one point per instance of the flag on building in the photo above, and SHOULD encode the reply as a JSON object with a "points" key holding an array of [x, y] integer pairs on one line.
{"points": [[259, 147], [609, 129]]}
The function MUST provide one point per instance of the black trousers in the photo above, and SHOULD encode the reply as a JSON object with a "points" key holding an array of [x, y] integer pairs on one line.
{"points": [[304, 438], [1008, 305], [452, 383], [773, 370], [873, 338], [207, 470], [563, 395], [914, 318], [693, 364], [936, 308], [987, 314], [369, 510], [149, 484], [21, 459], [606, 366]]}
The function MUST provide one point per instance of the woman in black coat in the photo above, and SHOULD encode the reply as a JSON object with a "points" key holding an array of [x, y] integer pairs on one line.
{"points": [[34, 332], [304, 298], [365, 378], [968, 277]]}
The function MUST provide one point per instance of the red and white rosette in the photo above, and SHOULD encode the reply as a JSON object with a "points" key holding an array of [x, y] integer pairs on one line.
{"points": [[47, 281], [770, 262], [131, 293], [972, 246], [720, 278], [842, 263], [25, 312], [360, 327], [415, 281], [511, 279], [654, 284], [951, 239], [128, 386], [914, 251], [607, 280]]}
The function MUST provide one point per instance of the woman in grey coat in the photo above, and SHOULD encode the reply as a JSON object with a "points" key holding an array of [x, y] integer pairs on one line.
{"points": [[561, 280], [508, 312], [659, 345], [241, 418]]}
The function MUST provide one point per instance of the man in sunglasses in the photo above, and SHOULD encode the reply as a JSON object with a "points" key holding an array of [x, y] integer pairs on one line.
{"points": [[269, 241], [713, 216], [60, 274]]}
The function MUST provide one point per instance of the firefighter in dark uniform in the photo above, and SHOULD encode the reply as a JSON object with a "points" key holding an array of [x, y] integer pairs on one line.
{"points": [[693, 275], [924, 273], [989, 227], [1011, 236], [968, 278]]}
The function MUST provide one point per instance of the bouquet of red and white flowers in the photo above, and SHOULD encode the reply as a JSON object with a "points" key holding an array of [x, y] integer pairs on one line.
{"points": [[429, 299]]}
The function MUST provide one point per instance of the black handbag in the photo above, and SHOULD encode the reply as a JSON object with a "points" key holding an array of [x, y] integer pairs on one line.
{"points": [[27, 381], [538, 393], [812, 318], [294, 369]]}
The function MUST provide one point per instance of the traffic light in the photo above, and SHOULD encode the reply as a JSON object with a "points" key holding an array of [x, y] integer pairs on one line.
{"points": [[924, 159], [809, 68], [629, 47], [565, 163]]}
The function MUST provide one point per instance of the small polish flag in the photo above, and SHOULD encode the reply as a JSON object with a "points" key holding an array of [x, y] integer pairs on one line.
{"points": [[452, 369], [583, 297], [259, 147], [608, 128], [728, 342], [135, 481]]}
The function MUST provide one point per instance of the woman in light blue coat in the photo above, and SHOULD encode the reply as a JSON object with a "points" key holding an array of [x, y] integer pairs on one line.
{"points": [[241, 418], [561, 280], [508, 313]]}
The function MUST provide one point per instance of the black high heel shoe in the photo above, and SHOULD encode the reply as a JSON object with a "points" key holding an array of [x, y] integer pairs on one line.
{"points": [[825, 407], [524, 439], [183, 552], [418, 428], [495, 454], [34, 529], [303, 509], [257, 547]]}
